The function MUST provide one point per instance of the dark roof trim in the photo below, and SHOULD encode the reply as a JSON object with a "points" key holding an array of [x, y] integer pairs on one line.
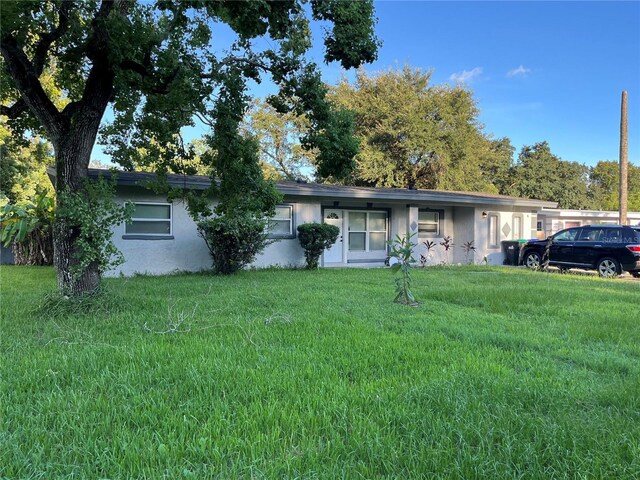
{"points": [[199, 182], [398, 194]]}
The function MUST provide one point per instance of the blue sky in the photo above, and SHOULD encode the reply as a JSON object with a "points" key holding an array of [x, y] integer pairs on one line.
{"points": [[539, 71]]}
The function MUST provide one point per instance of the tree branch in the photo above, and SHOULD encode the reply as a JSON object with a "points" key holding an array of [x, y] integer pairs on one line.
{"points": [[97, 44], [26, 80], [134, 66], [98, 88], [204, 120], [14, 110], [162, 85], [47, 39], [228, 61]]}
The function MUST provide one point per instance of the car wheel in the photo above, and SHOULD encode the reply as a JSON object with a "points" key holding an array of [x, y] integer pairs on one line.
{"points": [[608, 267], [635, 273], [532, 260]]}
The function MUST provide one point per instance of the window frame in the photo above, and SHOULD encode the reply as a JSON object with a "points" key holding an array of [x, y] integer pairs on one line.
{"points": [[587, 230], [367, 230], [370, 231], [520, 217], [494, 237], [440, 223], [142, 236], [578, 234], [292, 230]]}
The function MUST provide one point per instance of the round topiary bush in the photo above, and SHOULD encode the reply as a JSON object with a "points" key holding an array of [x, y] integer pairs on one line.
{"points": [[315, 238]]}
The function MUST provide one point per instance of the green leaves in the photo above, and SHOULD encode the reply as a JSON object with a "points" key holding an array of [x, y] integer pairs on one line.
{"points": [[542, 175], [279, 135], [18, 220], [604, 186], [413, 134], [402, 252], [234, 241], [91, 213], [352, 39], [315, 238], [157, 66]]}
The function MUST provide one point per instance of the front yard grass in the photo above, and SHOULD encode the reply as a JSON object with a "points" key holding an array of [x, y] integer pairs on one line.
{"points": [[499, 373]]}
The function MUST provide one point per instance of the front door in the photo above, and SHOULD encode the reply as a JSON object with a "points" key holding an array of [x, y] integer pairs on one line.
{"points": [[334, 253]]}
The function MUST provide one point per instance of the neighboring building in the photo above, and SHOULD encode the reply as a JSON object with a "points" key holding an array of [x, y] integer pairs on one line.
{"points": [[552, 220], [162, 237]]}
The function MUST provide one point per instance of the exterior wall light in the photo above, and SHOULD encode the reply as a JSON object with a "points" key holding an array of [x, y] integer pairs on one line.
{"points": [[484, 215]]}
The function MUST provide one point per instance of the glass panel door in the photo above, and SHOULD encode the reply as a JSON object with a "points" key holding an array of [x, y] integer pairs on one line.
{"points": [[357, 231], [367, 231], [377, 231]]}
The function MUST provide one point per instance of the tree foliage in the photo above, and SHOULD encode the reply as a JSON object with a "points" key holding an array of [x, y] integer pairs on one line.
{"points": [[92, 213], [24, 169], [605, 186], [157, 66], [420, 135], [282, 156], [27, 225], [315, 238], [540, 174], [234, 241]]}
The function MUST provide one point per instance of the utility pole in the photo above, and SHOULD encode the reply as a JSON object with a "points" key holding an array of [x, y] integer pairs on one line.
{"points": [[624, 159]]}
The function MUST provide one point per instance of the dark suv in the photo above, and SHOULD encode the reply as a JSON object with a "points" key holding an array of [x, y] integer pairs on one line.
{"points": [[609, 249]]}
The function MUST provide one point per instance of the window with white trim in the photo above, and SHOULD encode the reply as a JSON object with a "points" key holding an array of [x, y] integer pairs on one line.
{"points": [[153, 219], [367, 231], [428, 224], [518, 220], [494, 233], [281, 224]]}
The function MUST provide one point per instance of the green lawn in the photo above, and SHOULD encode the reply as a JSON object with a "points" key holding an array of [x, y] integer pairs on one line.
{"points": [[499, 373]]}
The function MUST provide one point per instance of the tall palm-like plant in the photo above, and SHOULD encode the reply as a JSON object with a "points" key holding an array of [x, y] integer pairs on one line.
{"points": [[28, 227], [402, 251]]}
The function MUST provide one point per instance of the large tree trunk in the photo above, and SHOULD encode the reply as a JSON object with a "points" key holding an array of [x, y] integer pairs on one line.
{"points": [[73, 153], [72, 131]]}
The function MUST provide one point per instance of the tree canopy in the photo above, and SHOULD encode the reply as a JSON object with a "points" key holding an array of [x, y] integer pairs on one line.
{"points": [[282, 155], [604, 186], [157, 66], [416, 134], [540, 174]]}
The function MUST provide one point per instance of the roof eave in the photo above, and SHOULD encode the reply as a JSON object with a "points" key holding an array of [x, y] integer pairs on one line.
{"points": [[198, 182]]}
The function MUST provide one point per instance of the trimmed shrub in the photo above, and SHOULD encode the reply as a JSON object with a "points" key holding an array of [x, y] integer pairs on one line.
{"points": [[315, 238], [233, 241]]}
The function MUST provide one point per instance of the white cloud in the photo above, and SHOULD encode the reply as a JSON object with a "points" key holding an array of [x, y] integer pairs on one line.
{"points": [[521, 71], [466, 76]]}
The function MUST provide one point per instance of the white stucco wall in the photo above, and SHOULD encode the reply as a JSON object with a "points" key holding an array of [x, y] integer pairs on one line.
{"points": [[464, 230], [494, 254], [438, 254], [187, 251], [288, 252]]}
